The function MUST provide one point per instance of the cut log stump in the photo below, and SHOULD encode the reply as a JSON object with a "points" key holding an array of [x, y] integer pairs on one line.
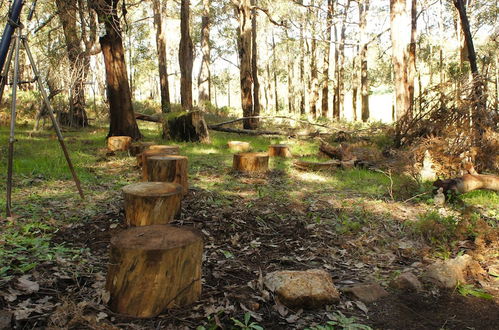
{"points": [[139, 147], [279, 150], [119, 143], [251, 162], [152, 268], [151, 203], [238, 146], [167, 169], [189, 127], [157, 150]]}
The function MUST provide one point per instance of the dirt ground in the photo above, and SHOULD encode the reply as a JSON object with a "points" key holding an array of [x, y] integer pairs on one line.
{"points": [[245, 238]]}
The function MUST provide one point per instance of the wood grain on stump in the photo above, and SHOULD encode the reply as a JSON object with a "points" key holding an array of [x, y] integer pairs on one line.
{"points": [[151, 203], [238, 146], [153, 268], [251, 162], [157, 150], [139, 147], [279, 150], [118, 143], [167, 169]]}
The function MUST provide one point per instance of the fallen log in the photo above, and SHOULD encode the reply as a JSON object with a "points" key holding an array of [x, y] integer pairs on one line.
{"points": [[243, 131], [329, 165], [144, 117], [469, 182], [271, 117], [343, 152]]}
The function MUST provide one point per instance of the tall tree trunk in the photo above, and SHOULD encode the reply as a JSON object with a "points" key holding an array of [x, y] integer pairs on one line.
{"points": [[122, 118], [291, 74], [340, 67], [254, 62], [327, 55], [67, 10], [364, 78], [245, 45], [159, 11], [204, 79], [302, 71], [186, 56], [411, 65], [355, 84], [274, 64], [401, 24]]}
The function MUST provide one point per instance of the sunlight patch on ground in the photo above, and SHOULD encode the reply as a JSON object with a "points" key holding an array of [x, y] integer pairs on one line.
{"points": [[310, 177], [204, 151]]}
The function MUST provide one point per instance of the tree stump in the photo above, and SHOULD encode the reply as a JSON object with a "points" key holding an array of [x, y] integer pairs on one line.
{"points": [[238, 146], [151, 203], [139, 147], [167, 169], [118, 143], [152, 268], [251, 162], [156, 150], [189, 127], [279, 150]]}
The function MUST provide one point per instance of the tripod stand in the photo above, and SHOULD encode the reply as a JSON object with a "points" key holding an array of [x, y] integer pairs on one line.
{"points": [[19, 40]]}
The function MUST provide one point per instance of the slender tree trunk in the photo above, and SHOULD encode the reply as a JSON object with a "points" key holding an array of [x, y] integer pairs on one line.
{"points": [[159, 11], [341, 61], [245, 45], [355, 84], [204, 79], [276, 93], [302, 71], [122, 117], [411, 65], [401, 24], [291, 74], [364, 78], [254, 62], [186, 56], [325, 85], [78, 58]]}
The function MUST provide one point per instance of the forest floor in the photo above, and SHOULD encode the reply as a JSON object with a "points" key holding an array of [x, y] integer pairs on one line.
{"points": [[360, 225]]}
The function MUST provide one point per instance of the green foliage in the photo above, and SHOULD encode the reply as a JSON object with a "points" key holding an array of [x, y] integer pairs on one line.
{"points": [[470, 290], [148, 106], [246, 324], [341, 321]]}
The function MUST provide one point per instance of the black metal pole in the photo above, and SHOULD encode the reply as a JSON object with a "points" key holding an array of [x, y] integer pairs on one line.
{"points": [[12, 24]]}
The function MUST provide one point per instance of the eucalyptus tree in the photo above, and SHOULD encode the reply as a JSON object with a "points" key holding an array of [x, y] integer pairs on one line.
{"points": [[186, 56], [160, 14]]}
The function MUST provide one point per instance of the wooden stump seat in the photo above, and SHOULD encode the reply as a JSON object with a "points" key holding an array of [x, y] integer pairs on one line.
{"points": [[167, 169], [118, 143], [238, 146], [151, 203], [251, 162], [279, 150], [156, 150], [152, 268]]}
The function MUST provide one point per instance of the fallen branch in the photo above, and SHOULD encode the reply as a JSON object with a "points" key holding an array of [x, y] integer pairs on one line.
{"points": [[469, 182], [243, 131], [329, 165], [144, 117], [343, 152], [271, 117]]}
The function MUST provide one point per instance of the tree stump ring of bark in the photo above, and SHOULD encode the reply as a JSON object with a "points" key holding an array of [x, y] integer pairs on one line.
{"points": [[119, 143], [156, 150], [152, 268], [251, 162], [279, 150], [151, 203]]}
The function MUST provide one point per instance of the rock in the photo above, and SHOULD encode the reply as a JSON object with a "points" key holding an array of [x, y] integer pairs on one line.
{"points": [[448, 273], [367, 293], [5, 320], [304, 289], [406, 282]]}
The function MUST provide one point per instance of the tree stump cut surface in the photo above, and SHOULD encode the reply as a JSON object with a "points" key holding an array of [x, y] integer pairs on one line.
{"points": [[156, 150], [167, 169], [153, 268], [151, 203], [238, 146], [251, 162], [119, 143], [279, 150], [139, 147]]}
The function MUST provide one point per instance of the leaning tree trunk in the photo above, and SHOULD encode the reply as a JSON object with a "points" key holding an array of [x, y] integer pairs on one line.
{"points": [[364, 79], [401, 24], [159, 11], [245, 45], [186, 56], [204, 79], [122, 118], [77, 57]]}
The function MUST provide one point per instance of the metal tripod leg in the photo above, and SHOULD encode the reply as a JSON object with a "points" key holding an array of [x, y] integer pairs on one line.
{"points": [[12, 139], [51, 114]]}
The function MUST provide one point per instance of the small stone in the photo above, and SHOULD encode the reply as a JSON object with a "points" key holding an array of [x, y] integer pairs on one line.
{"points": [[5, 320], [406, 282], [304, 289], [449, 273], [367, 293]]}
